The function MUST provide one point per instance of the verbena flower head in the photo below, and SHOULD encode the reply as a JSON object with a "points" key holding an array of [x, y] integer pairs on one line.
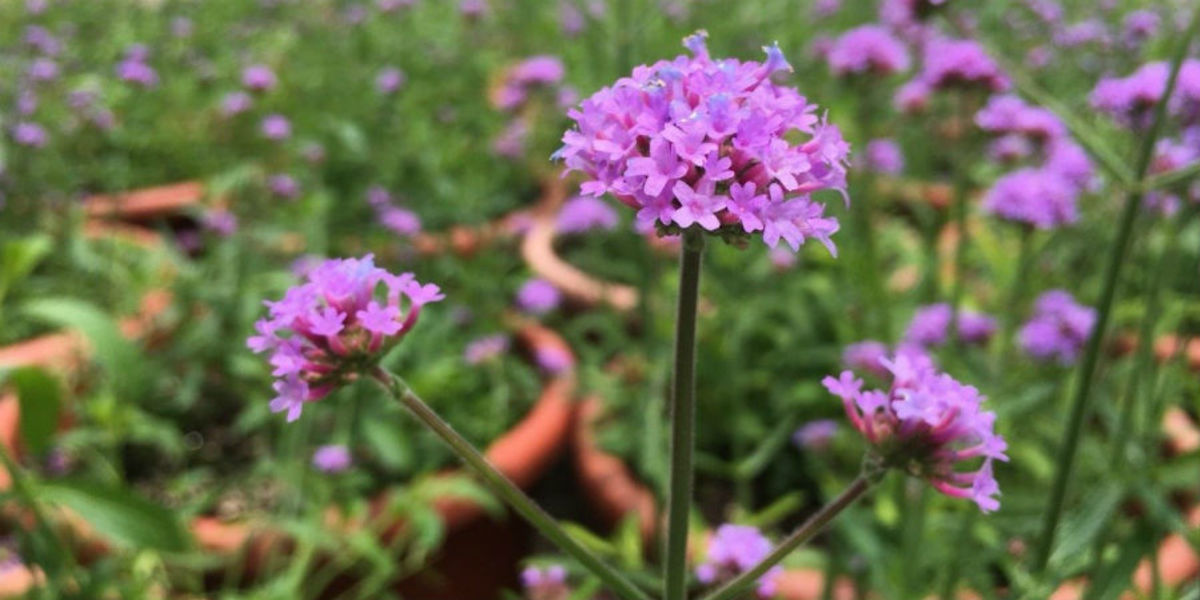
{"points": [[345, 316], [1039, 198], [930, 325], [734, 549], [866, 357], [884, 156], [1130, 100], [1008, 114], [235, 103], [869, 49], [333, 458], [929, 425], [137, 71], [485, 348], [950, 63], [29, 134], [549, 583], [1169, 155], [816, 435], [975, 327], [284, 186], [584, 213], [1058, 329], [712, 143], [538, 296], [259, 78], [1139, 26], [276, 127], [389, 80]]}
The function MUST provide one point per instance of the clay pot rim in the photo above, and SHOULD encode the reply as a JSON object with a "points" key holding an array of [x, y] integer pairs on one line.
{"points": [[537, 249]]}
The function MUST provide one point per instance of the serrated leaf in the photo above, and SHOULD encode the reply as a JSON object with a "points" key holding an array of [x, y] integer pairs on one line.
{"points": [[120, 515]]}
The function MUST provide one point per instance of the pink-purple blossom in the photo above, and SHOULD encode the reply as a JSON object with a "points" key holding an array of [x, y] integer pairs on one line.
{"points": [[549, 583], [884, 156], [950, 63], [483, 349], [584, 213], [673, 138], [259, 78], [538, 296], [1058, 329], [276, 127], [929, 425], [335, 325], [869, 49], [816, 435], [332, 458], [1130, 100], [284, 186], [26, 133], [1038, 198], [389, 80], [930, 326], [235, 103], [734, 549]]}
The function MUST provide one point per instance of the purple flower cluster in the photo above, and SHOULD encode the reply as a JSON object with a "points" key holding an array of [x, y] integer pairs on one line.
{"points": [[1058, 329], [389, 80], [584, 213], [816, 435], [525, 76], [258, 78], [734, 549], [929, 425], [332, 458], [1009, 114], [930, 326], [884, 156], [1170, 155], [334, 326], [698, 141], [1040, 198], [276, 127], [538, 297], [399, 220], [26, 133], [549, 583], [134, 69], [950, 63], [483, 349], [869, 49], [1130, 100], [284, 186]]}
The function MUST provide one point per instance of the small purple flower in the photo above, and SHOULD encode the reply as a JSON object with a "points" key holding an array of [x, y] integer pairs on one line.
{"points": [[545, 584], [511, 142], [472, 9], [538, 296], [866, 357], [958, 63], [276, 127], [1091, 31], [554, 360], [869, 49], [816, 435], [734, 549], [40, 39], [389, 80], [824, 9], [483, 349], [584, 213], [927, 424], [570, 18], [42, 69], [884, 156], [975, 327], [1058, 329], [399, 220], [220, 221], [259, 78], [284, 186], [1130, 100], [538, 70], [1139, 26], [332, 458], [1039, 198], [1008, 114], [136, 71], [29, 134], [27, 102], [388, 6], [327, 330], [235, 103], [912, 97], [930, 325]]}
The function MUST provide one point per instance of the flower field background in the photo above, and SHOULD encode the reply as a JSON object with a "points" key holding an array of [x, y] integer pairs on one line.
{"points": [[379, 299]]}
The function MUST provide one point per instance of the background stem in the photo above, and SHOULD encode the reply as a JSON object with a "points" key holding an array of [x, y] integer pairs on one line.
{"points": [[683, 418]]}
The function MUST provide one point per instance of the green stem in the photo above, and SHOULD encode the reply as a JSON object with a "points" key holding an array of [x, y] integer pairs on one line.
{"points": [[683, 418], [506, 489], [63, 558], [1091, 355], [803, 534], [962, 185], [1016, 297]]}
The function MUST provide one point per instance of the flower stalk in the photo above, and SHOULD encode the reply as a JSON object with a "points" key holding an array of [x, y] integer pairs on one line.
{"points": [[683, 418], [507, 490], [1116, 260]]}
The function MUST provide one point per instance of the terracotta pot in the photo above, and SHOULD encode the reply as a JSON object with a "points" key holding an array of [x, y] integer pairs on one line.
{"points": [[615, 493], [146, 204], [523, 454]]}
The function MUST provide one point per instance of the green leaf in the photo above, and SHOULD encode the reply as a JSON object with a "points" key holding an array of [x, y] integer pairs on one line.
{"points": [[120, 515], [1083, 525], [40, 399], [119, 357], [19, 257]]}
